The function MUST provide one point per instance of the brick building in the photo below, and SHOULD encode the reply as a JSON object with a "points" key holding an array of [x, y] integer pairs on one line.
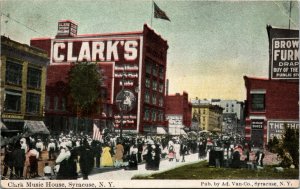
{"points": [[178, 113], [209, 117], [270, 105], [134, 65], [23, 81]]}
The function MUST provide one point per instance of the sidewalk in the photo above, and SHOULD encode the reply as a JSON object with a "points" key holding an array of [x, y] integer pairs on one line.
{"points": [[121, 174]]}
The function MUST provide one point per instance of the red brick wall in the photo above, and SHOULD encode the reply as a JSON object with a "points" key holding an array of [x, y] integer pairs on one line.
{"points": [[178, 104], [281, 101]]}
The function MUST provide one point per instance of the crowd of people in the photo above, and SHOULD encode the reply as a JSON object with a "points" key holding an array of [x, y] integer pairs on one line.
{"points": [[72, 154]]}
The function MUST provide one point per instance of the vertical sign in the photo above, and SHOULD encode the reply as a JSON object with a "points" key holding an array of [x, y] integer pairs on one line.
{"points": [[284, 53]]}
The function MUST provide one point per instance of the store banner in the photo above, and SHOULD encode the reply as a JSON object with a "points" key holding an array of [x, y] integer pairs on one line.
{"points": [[284, 53], [276, 128]]}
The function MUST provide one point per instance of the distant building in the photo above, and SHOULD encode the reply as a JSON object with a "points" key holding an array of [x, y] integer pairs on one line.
{"points": [[210, 117], [178, 113], [23, 81], [232, 114], [270, 105]]}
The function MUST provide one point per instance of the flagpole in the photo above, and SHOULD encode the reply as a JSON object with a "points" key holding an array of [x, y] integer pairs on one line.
{"points": [[152, 10]]}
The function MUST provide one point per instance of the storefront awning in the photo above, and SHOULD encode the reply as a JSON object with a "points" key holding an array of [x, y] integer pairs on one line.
{"points": [[35, 127], [2, 126], [161, 131], [177, 131]]}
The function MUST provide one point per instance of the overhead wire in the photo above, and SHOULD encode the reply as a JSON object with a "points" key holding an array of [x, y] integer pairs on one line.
{"points": [[17, 21]]}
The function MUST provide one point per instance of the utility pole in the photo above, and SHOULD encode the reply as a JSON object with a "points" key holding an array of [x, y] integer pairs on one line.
{"points": [[290, 14]]}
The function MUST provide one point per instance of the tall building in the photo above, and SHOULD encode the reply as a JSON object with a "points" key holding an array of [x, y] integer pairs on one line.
{"points": [[178, 113], [209, 117], [135, 64], [23, 81]]}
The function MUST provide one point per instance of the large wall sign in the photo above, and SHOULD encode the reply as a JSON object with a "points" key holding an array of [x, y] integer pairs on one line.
{"points": [[284, 53], [122, 56], [276, 128]]}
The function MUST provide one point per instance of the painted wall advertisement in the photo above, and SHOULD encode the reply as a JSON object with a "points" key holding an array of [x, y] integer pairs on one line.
{"points": [[284, 53], [276, 128], [124, 54]]}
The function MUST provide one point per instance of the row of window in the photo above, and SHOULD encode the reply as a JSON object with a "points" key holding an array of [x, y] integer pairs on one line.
{"points": [[155, 85], [14, 75], [153, 100], [153, 115], [56, 104], [155, 69], [13, 100]]}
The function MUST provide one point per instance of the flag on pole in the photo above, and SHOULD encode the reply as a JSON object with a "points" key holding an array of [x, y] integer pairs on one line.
{"points": [[96, 132], [158, 13]]}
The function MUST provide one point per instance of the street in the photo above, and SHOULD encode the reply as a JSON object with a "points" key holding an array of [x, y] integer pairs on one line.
{"points": [[122, 174]]}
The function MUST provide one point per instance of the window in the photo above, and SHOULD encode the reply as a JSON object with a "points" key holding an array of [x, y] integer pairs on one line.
{"points": [[203, 111], [161, 88], [55, 103], [161, 72], [154, 85], [64, 102], [148, 82], [34, 78], [258, 102], [147, 114], [155, 70], [161, 101], [47, 102], [153, 115], [13, 73], [161, 116], [148, 67], [154, 99], [147, 97], [12, 101], [32, 103]]}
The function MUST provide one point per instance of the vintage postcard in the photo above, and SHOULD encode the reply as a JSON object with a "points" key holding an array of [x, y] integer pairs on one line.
{"points": [[149, 94]]}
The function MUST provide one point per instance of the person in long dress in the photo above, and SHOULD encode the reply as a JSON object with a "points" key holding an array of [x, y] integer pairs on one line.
{"points": [[106, 159], [177, 151], [119, 155]]}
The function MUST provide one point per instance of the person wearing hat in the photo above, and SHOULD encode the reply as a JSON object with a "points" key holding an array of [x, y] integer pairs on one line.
{"points": [[18, 160], [51, 149], [86, 160], [62, 160], [39, 146], [119, 154]]}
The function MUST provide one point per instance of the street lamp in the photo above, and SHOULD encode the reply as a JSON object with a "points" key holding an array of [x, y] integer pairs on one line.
{"points": [[122, 104]]}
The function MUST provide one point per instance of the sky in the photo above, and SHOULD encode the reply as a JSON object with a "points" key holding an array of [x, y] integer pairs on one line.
{"points": [[212, 44]]}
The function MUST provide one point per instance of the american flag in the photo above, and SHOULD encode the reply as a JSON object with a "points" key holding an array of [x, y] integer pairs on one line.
{"points": [[158, 13], [96, 133]]}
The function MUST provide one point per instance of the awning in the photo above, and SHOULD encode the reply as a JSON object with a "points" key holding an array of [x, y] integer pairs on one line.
{"points": [[177, 131], [182, 132], [2, 126], [35, 127], [161, 131]]}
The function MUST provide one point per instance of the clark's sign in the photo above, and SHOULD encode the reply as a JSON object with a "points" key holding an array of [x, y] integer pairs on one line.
{"points": [[284, 53], [94, 51]]}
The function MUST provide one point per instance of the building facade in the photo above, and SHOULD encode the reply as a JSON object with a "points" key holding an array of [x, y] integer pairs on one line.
{"points": [[23, 81], [210, 117], [233, 115], [271, 104], [178, 113], [135, 67]]}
